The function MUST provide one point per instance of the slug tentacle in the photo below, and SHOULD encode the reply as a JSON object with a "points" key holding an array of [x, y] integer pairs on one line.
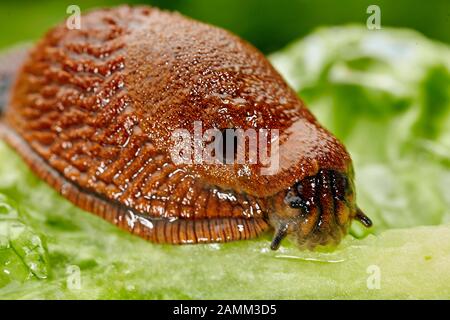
{"points": [[361, 217], [279, 235]]}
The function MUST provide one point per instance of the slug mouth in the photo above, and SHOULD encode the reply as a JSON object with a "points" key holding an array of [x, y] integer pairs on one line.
{"points": [[317, 210]]}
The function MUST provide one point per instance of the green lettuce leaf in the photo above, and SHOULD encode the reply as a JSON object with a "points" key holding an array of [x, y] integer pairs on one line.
{"points": [[22, 251], [385, 94]]}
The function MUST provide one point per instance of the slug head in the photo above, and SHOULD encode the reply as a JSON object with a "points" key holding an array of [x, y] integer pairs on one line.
{"points": [[317, 210]]}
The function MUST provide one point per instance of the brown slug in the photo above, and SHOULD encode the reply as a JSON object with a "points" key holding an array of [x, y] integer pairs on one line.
{"points": [[92, 112]]}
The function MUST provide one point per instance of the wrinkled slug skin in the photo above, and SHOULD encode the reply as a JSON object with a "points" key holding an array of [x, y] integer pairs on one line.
{"points": [[92, 112]]}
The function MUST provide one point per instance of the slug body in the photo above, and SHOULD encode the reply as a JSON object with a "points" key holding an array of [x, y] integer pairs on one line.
{"points": [[92, 112]]}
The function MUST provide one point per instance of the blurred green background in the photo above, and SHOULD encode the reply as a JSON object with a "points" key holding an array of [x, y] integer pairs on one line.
{"points": [[268, 24]]}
